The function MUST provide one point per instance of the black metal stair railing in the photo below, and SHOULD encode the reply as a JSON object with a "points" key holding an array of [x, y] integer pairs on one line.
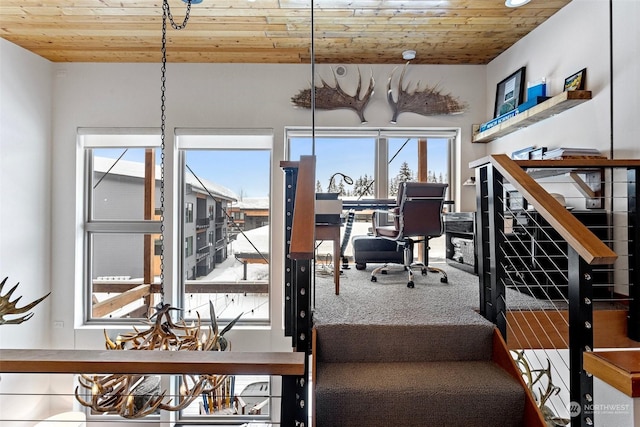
{"points": [[297, 294], [529, 272]]}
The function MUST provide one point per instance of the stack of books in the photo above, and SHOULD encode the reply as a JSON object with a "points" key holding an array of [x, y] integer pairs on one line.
{"points": [[572, 153]]}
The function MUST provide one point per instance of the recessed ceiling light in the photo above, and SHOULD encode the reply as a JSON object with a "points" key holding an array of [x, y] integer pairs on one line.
{"points": [[515, 3], [408, 55]]}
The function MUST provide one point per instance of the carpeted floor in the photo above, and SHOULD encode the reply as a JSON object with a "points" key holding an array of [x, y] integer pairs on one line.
{"points": [[388, 301]]}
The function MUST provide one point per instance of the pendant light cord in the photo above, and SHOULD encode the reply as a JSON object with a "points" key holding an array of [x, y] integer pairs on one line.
{"points": [[166, 13]]}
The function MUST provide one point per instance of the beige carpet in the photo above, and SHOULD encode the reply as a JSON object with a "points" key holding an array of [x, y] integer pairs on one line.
{"points": [[389, 301]]}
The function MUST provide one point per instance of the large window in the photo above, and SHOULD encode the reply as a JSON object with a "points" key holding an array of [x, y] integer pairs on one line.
{"points": [[121, 224], [376, 161], [225, 175], [224, 232]]}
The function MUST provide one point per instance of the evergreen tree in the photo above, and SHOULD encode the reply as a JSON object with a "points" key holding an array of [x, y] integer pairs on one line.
{"points": [[341, 189], [333, 188], [318, 187], [405, 174], [393, 187], [361, 186]]}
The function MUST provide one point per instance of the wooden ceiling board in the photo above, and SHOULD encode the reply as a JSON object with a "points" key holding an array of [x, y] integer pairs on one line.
{"points": [[272, 31]]}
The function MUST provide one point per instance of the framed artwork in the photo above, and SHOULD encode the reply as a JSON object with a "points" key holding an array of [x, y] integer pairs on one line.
{"points": [[576, 81], [510, 93]]}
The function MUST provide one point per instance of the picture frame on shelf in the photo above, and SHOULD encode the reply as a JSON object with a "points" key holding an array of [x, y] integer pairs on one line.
{"points": [[523, 154], [510, 93], [576, 81]]}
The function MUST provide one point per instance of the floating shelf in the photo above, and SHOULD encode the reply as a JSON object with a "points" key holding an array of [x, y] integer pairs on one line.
{"points": [[544, 110]]}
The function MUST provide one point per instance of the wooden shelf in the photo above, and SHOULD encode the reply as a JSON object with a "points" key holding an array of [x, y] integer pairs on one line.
{"points": [[618, 368], [544, 110]]}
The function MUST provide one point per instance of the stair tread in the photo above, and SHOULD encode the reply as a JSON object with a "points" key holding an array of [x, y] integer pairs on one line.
{"points": [[441, 376], [469, 393], [403, 343]]}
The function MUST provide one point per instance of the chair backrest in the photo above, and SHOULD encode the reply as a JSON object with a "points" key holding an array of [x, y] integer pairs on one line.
{"points": [[420, 208]]}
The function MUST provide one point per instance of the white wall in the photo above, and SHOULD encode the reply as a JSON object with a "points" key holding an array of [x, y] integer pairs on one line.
{"points": [[25, 208], [626, 78]]}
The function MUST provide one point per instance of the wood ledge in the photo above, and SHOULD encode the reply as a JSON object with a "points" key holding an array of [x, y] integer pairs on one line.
{"points": [[618, 368], [39, 361]]}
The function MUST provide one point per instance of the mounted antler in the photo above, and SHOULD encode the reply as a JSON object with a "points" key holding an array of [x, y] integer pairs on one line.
{"points": [[333, 97], [8, 307], [427, 101]]}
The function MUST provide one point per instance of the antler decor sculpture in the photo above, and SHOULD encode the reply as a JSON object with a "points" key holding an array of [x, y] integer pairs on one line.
{"points": [[536, 376], [333, 97], [136, 396], [427, 101], [8, 307]]}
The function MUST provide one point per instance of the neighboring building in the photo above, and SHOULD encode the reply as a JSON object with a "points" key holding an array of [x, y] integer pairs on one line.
{"points": [[205, 226], [120, 193], [249, 213]]}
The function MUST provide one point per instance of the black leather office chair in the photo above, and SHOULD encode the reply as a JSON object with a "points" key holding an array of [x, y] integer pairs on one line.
{"points": [[417, 218]]}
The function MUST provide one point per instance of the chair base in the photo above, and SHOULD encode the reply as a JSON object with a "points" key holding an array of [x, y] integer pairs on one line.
{"points": [[424, 269]]}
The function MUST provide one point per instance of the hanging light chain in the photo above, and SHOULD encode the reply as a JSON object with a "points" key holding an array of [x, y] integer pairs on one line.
{"points": [[166, 13]]}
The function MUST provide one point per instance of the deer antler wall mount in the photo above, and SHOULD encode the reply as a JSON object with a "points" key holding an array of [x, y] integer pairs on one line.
{"points": [[333, 97], [8, 307], [427, 101]]}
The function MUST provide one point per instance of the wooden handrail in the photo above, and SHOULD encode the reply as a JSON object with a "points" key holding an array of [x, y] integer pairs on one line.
{"points": [[304, 222], [577, 235], [116, 302], [36, 361]]}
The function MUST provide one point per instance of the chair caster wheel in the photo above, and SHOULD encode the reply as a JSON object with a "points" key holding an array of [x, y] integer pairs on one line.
{"points": [[424, 271], [410, 285], [444, 280], [383, 271], [360, 266], [374, 279]]}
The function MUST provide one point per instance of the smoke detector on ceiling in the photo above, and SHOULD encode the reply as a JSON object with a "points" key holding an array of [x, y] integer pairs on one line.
{"points": [[341, 71], [408, 55]]}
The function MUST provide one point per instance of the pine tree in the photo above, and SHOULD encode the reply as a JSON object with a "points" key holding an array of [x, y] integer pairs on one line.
{"points": [[405, 174], [318, 187], [361, 186], [333, 188], [341, 189]]}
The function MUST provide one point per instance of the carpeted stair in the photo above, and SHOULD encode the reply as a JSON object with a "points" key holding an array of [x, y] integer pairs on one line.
{"points": [[412, 375]]}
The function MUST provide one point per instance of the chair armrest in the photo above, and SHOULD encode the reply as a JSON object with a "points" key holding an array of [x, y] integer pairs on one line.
{"points": [[395, 212]]}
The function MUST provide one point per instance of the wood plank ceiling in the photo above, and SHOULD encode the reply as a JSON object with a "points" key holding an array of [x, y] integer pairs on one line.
{"points": [[272, 31]]}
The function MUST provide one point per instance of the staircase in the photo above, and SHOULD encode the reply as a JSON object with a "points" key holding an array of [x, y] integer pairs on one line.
{"points": [[413, 375]]}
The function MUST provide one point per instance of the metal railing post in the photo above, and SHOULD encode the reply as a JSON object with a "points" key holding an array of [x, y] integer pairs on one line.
{"points": [[633, 230], [580, 339], [482, 237], [291, 177], [490, 240]]}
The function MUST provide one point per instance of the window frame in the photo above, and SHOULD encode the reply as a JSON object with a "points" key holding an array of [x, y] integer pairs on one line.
{"points": [[90, 139], [381, 147], [187, 139]]}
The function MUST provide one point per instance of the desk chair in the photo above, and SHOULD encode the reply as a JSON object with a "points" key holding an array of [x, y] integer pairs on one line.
{"points": [[417, 218]]}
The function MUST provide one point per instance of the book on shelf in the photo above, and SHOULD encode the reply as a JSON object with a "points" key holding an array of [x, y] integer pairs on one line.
{"points": [[568, 153]]}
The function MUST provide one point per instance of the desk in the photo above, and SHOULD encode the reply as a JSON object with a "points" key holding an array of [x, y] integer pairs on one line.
{"points": [[332, 232]]}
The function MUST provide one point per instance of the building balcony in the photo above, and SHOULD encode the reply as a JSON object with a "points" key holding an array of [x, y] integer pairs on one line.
{"points": [[202, 223]]}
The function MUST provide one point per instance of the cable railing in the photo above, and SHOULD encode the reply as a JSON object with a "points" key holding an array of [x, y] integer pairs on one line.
{"points": [[558, 266]]}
